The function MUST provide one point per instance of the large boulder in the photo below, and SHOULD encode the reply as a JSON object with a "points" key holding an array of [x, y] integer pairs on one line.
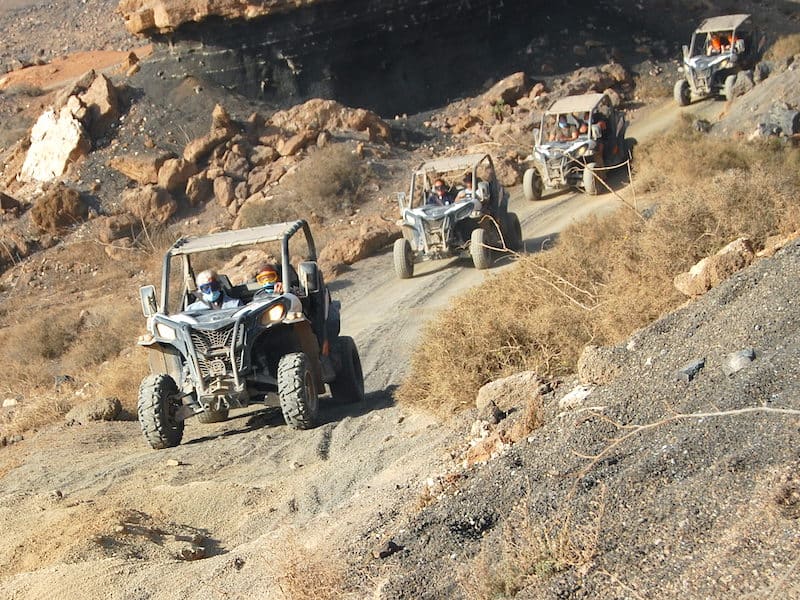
{"points": [[102, 409], [151, 204], [374, 233], [116, 227], [102, 106], [508, 90], [142, 168], [713, 270], [509, 392], [199, 189], [174, 174], [58, 208], [57, 139], [318, 114]]}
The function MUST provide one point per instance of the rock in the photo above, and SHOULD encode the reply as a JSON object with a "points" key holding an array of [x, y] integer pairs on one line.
{"points": [[115, 227], [761, 71], [509, 392], [690, 370], [385, 549], [152, 204], [600, 365], [193, 552], [783, 119], [375, 233], [199, 189], [495, 444], [262, 155], [743, 84], [224, 190], [713, 270], [235, 165], [199, 148], [8, 204], [102, 106], [56, 141], [174, 174], [736, 361], [507, 91], [537, 90], [613, 95], [296, 143], [323, 139], [105, 409], [9, 402], [491, 414], [142, 168], [318, 114], [574, 399], [60, 207]]}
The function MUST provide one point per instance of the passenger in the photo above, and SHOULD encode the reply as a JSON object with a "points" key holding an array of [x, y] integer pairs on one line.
{"points": [[714, 44], [583, 124], [565, 131], [440, 196], [211, 293], [269, 278], [468, 193]]}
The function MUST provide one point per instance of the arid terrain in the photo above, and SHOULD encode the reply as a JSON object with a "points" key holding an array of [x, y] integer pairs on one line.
{"points": [[665, 465]]}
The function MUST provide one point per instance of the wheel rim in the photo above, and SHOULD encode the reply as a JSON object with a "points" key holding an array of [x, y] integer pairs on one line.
{"points": [[310, 391]]}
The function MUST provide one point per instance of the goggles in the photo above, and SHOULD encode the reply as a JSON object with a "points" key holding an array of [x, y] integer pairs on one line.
{"points": [[438, 187], [266, 277], [207, 288]]}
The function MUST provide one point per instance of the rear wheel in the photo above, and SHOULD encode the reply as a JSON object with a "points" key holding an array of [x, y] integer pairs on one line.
{"points": [[532, 185], [512, 232], [297, 391], [403, 259], [157, 409], [481, 254], [349, 383], [682, 93], [590, 179]]}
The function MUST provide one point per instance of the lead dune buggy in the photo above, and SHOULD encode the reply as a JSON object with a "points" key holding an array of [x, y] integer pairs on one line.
{"points": [[720, 48], [576, 163], [276, 349], [478, 225]]}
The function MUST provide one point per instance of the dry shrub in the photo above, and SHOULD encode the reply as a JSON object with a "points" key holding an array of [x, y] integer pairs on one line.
{"points": [[104, 334], [35, 413], [120, 378], [531, 549], [606, 278], [652, 86], [784, 47], [310, 575]]}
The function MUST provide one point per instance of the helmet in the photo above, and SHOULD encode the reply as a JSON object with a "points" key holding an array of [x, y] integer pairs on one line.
{"points": [[208, 285], [267, 277]]}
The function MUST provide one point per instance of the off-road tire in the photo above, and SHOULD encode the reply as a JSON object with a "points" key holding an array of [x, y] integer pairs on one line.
{"points": [[349, 383], [213, 416], [297, 391], [512, 232], [532, 185], [403, 259], [727, 89], [158, 402], [481, 255], [589, 179], [682, 93]]}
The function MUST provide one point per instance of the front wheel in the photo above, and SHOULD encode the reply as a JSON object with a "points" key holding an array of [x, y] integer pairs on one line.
{"points": [[481, 254], [590, 179], [403, 259], [349, 383], [532, 185], [728, 89], [157, 408], [682, 93], [297, 391]]}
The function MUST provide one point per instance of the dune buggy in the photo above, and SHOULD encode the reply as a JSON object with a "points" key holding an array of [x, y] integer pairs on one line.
{"points": [[472, 219], [720, 48], [578, 137], [274, 348]]}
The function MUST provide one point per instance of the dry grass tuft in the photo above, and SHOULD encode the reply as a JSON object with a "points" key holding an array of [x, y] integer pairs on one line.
{"points": [[652, 86], [607, 276], [784, 47], [310, 575], [531, 549], [35, 413]]}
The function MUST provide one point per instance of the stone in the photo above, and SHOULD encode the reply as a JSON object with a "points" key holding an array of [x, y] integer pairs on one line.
{"points": [[142, 168], [491, 413], [736, 361], [374, 233], [224, 190], [296, 143], [174, 174], [151, 204], [57, 140], [508, 90], [103, 409], [9, 402], [712, 270], [114, 227], [262, 155], [509, 392], [199, 189], [8, 203], [690, 370], [58, 208], [199, 149], [318, 114], [575, 397], [386, 549], [783, 119], [102, 106]]}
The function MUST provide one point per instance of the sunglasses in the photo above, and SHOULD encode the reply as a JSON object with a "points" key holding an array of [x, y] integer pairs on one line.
{"points": [[267, 277], [207, 288], [438, 187]]}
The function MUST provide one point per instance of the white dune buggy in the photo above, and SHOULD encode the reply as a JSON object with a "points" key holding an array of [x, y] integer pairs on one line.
{"points": [[472, 219], [274, 348]]}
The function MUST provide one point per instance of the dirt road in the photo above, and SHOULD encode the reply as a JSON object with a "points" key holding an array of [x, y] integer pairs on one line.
{"points": [[94, 511]]}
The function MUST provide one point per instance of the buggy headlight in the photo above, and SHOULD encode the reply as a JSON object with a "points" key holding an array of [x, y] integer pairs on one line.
{"points": [[582, 150], [273, 314], [409, 217], [165, 331]]}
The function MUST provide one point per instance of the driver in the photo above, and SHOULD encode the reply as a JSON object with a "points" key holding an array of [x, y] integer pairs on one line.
{"points": [[565, 131], [269, 278], [440, 196], [211, 293]]}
